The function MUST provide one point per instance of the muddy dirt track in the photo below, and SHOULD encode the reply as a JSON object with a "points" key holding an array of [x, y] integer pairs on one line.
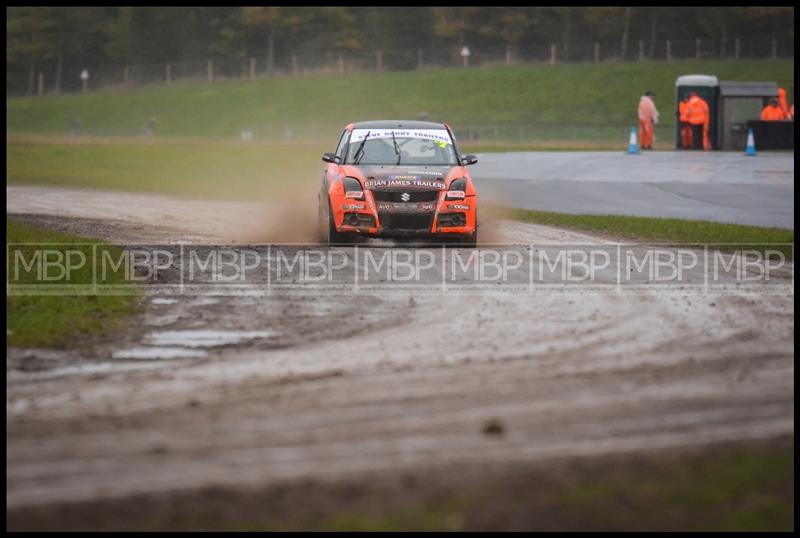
{"points": [[332, 387]]}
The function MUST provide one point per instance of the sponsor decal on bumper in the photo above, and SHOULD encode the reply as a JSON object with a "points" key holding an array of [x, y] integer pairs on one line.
{"points": [[423, 207]]}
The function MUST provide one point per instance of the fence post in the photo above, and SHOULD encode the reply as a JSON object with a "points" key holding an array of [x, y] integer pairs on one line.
{"points": [[596, 52], [294, 64], [252, 68], [379, 59], [774, 48], [419, 58], [40, 87], [553, 53], [169, 74], [697, 49], [737, 48], [669, 50], [508, 54], [210, 70], [641, 50], [341, 64], [126, 75]]}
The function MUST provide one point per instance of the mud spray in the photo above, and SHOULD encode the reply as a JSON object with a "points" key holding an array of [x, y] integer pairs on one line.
{"points": [[290, 216]]}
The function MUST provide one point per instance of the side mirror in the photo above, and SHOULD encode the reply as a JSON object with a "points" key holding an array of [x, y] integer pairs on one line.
{"points": [[467, 160], [330, 158]]}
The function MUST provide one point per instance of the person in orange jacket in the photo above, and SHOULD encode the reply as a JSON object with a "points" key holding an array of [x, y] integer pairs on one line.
{"points": [[683, 118], [782, 103], [648, 117], [791, 112], [698, 116], [772, 112]]}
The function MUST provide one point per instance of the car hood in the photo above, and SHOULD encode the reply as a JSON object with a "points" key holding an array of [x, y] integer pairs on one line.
{"points": [[389, 177]]}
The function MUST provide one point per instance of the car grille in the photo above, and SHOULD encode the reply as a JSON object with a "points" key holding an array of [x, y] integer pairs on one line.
{"points": [[414, 196], [400, 221]]}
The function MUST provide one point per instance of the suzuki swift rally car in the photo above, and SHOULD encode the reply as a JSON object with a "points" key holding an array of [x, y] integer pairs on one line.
{"points": [[397, 179]]}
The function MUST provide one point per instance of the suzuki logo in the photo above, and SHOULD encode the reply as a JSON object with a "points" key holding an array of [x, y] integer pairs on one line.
{"points": [[405, 197]]}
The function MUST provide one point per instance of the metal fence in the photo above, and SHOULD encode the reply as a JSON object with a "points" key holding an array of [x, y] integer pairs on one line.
{"points": [[566, 134], [21, 80], [544, 134]]}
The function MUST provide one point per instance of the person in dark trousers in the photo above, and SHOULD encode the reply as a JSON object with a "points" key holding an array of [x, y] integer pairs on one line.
{"points": [[697, 114]]}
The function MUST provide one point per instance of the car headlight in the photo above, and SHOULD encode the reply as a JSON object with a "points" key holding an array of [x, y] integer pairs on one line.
{"points": [[458, 188], [352, 188]]}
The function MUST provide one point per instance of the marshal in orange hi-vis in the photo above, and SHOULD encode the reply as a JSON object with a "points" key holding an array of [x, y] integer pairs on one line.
{"points": [[398, 179]]}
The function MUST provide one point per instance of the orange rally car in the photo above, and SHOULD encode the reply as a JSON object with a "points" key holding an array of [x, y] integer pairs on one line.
{"points": [[396, 179]]}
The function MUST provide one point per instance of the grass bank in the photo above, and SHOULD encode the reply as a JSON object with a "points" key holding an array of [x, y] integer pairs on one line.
{"points": [[60, 321], [316, 107]]}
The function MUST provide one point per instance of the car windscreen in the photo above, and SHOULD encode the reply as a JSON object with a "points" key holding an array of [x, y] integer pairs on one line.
{"points": [[401, 146]]}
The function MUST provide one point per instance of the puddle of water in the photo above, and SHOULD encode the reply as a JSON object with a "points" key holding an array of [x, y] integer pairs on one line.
{"points": [[203, 338], [86, 369], [157, 353], [321, 309], [161, 300], [204, 301], [160, 321]]}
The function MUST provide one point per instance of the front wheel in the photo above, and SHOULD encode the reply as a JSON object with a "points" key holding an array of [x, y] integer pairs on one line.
{"points": [[332, 236], [470, 241]]}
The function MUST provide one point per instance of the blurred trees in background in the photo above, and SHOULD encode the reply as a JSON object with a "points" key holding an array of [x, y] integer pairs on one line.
{"points": [[96, 37]]}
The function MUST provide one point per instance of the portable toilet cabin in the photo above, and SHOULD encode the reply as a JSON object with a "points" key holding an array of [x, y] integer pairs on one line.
{"points": [[707, 87], [740, 102]]}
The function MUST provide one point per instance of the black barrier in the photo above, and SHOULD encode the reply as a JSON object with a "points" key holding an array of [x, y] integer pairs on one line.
{"points": [[772, 134]]}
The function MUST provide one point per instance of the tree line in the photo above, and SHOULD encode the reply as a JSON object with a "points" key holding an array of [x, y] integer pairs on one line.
{"points": [[95, 37]]}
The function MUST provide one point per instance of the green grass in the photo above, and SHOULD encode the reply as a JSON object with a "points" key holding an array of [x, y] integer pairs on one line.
{"points": [[659, 230], [316, 107], [213, 169], [435, 516], [62, 321], [737, 490]]}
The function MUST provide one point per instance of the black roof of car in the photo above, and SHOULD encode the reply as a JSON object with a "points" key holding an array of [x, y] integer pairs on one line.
{"points": [[393, 124]]}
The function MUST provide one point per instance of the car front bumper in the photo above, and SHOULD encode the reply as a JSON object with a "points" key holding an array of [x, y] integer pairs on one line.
{"points": [[443, 217]]}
